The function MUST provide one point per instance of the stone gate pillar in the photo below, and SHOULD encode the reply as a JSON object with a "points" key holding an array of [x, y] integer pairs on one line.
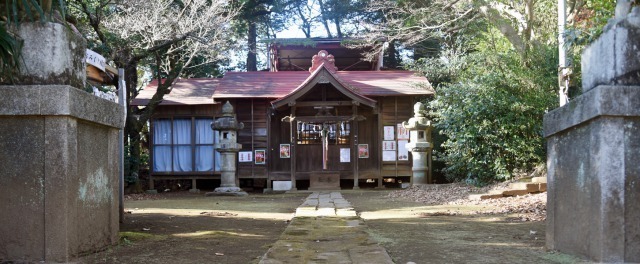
{"points": [[593, 153], [228, 147], [419, 128], [59, 162]]}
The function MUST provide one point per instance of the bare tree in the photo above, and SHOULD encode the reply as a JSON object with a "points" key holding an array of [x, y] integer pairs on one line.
{"points": [[412, 22], [165, 35]]}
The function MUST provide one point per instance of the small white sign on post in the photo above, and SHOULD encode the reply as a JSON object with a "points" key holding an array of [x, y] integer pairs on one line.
{"points": [[95, 59]]}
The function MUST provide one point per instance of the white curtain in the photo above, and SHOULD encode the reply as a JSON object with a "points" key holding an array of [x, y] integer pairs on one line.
{"points": [[216, 154], [205, 154], [182, 160], [162, 154]]}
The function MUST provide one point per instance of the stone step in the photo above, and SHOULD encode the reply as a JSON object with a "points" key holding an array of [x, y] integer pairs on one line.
{"points": [[515, 189], [477, 197], [539, 179], [515, 192], [529, 187]]}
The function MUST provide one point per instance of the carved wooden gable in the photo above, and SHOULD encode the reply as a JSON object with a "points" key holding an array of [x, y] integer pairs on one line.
{"points": [[323, 57]]}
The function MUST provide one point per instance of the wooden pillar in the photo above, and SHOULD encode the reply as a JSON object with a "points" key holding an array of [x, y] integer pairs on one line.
{"points": [[354, 146], [378, 143], [293, 148], [151, 186], [267, 153], [194, 187]]}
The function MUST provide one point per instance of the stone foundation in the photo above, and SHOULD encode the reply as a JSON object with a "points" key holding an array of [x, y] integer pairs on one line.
{"points": [[593, 164], [59, 174], [324, 181]]}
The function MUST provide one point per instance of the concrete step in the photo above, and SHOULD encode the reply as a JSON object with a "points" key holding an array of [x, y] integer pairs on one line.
{"points": [[539, 179], [515, 189], [477, 197], [530, 187]]}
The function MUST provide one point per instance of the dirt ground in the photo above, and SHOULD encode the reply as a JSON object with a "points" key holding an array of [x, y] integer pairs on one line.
{"points": [[191, 228]]}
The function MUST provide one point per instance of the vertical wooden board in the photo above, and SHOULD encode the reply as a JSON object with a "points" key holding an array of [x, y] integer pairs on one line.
{"points": [[368, 134], [279, 134], [405, 108]]}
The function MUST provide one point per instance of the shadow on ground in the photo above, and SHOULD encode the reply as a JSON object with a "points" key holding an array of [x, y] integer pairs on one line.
{"points": [[188, 228], [413, 232]]}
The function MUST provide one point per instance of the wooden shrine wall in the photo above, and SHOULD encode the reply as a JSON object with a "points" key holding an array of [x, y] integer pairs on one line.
{"points": [[253, 137], [393, 111]]}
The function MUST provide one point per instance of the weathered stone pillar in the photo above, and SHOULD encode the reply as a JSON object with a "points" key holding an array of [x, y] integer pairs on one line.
{"points": [[59, 172], [419, 128], [593, 153], [228, 148]]}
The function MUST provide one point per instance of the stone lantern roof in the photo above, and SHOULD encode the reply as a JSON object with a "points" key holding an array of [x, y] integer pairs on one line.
{"points": [[228, 120]]}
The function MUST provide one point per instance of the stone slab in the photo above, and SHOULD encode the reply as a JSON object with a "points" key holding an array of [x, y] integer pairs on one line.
{"points": [[515, 192], [369, 254], [59, 100], [281, 185], [324, 181], [485, 196], [539, 179], [529, 187], [543, 187], [51, 54], [621, 101], [346, 212], [613, 58], [312, 239]]}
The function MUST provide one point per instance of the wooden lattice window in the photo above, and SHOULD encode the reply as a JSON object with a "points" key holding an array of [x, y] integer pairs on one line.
{"points": [[338, 133]]}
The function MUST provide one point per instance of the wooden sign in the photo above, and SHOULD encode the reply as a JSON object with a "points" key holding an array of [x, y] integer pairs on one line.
{"points": [[95, 59]]}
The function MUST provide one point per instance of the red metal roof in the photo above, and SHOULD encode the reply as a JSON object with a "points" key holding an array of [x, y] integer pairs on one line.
{"points": [[184, 92], [278, 84], [348, 89]]}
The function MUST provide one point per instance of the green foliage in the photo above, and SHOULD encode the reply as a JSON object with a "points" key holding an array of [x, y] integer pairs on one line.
{"points": [[10, 48], [589, 23], [141, 160], [17, 11], [491, 113]]}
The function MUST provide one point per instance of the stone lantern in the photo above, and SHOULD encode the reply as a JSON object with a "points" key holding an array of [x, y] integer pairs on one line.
{"points": [[228, 126], [419, 144]]}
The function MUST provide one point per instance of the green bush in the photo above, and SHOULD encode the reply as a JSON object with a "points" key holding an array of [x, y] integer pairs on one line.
{"points": [[492, 115]]}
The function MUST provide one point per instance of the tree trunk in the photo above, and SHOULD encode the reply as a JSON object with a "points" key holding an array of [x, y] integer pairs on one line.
{"points": [[323, 17], [306, 25], [337, 22], [251, 55], [392, 59]]}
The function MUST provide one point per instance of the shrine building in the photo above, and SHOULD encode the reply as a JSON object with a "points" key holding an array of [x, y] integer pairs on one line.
{"points": [[320, 112]]}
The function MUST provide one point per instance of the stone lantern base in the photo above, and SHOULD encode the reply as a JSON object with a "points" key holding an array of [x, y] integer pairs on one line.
{"points": [[227, 191]]}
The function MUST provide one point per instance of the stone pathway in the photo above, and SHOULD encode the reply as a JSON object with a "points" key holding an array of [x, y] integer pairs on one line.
{"points": [[326, 229]]}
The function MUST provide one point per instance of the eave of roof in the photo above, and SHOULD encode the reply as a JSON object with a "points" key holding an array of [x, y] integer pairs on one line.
{"points": [[278, 84], [273, 85], [320, 72], [197, 91]]}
